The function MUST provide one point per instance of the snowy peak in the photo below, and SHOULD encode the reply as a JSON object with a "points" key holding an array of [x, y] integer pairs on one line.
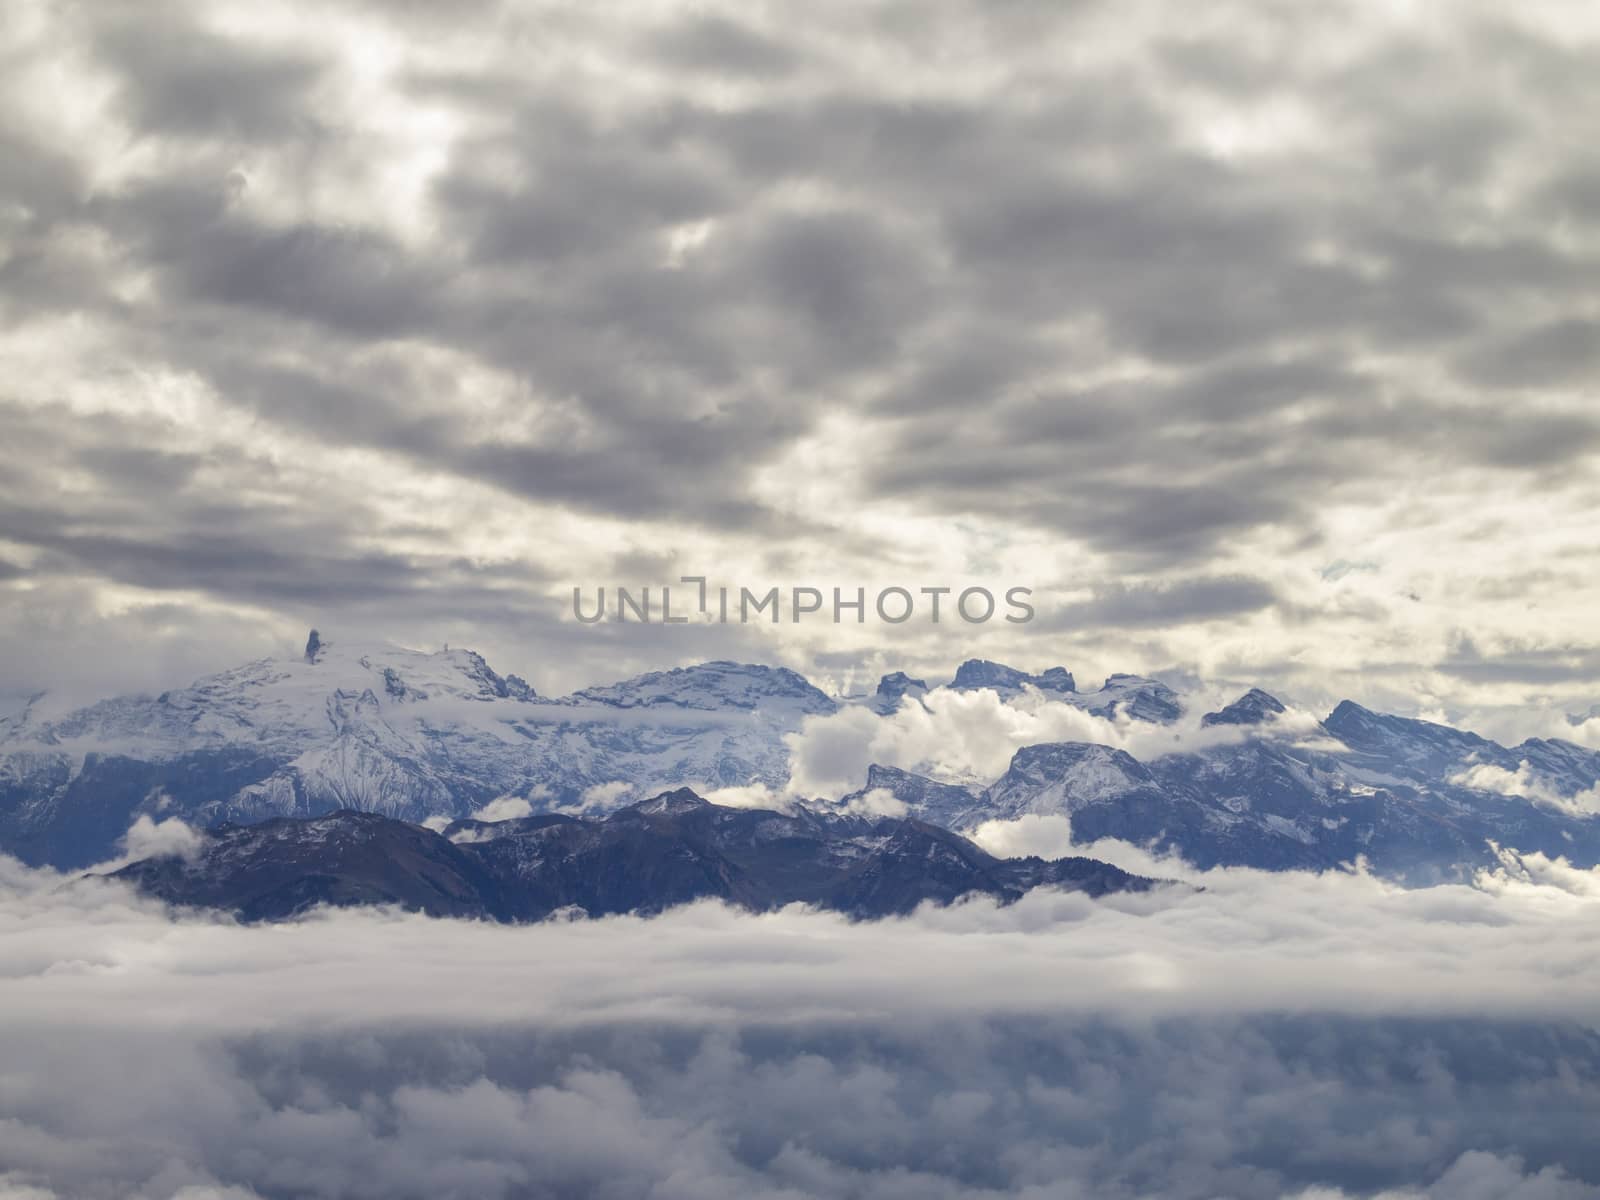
{"points": [[670, 804], [490, 685], [1084, 760], [1425, 750], [981, 673], [1060, 777], [1420, 748], [1131, 696], [390, 672], [280, 701], [711, 686], [1136, 697], [1255, 707]]}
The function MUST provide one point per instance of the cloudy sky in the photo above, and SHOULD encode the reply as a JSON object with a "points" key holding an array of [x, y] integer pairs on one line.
{"points": [[1260, 341]]}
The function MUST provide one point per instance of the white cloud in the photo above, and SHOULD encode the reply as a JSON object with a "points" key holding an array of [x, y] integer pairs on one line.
{"points": [[1272, 1035], [172, 838], [504, 808], [602, 796], [755, 795], [1528, 783], [970, 737], [879, 802]]}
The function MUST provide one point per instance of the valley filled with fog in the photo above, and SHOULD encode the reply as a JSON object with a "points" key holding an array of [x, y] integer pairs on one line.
{"points": [[1274, 1034]]}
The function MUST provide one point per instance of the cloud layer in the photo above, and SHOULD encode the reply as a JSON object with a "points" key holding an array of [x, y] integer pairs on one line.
{"points": [[1305, 1036], [1261, 349]]}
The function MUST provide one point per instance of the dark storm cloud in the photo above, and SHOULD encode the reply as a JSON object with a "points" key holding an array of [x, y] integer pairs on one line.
{"points": [[212, 530], [1170, 297], [1151, 472], [354, 283]]}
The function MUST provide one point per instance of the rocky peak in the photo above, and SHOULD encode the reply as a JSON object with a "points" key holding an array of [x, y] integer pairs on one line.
{"points": [[1253, 708], [981, 673], [670, 804], [898, 683]]}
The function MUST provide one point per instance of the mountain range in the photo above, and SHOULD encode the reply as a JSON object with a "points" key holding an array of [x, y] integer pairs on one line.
{"points": [[418, 737], [671, 849]]}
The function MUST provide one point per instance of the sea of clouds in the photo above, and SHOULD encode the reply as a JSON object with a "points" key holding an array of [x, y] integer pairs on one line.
{"points": [[1321, 1037]]}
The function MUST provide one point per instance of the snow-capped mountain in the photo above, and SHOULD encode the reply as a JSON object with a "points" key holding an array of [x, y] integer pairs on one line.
{"points": [[940, 803], [1418, 800], [713, 687], [416, 735], [981, 673], [384, 729], [1252, 708], [1131, 696]]}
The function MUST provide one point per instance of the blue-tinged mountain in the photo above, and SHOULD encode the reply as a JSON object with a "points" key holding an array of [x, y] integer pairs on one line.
{"points": [[1253, 708], [939, 803], [414, 736], [1128, 696], [1417, 800], [384, 729], [981, 673], [672, 849], [893, 688]]}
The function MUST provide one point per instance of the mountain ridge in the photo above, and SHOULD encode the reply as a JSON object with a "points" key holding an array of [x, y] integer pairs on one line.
{"points": [[674, 848], [417, 736]]}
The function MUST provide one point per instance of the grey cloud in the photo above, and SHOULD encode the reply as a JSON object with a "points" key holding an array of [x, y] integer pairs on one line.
{"points": [[1272, 1036], [353, 282], [181, 80], [618, 455], [1524, 437], [1218, 64], [1530, 664], [587, 190], [1573, 195], [1133, 606], [1148, 473], [1028, 285], [1256, 1109], [722, 46], [1562, 352], [207, 533]]}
